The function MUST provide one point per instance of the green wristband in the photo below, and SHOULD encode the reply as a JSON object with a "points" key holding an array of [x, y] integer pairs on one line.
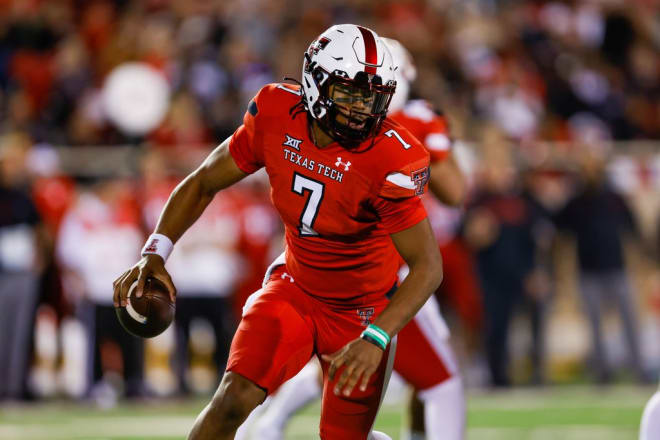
{"points": [[382, 332], [370, 338], [376, 335]]}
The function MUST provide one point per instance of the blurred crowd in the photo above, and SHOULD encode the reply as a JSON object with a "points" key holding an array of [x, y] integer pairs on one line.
{"points": [[536, 92], [551, 70], [63, 241]]}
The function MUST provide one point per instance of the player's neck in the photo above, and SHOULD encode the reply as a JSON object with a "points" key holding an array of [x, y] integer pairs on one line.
{"points": [[321, 138]]}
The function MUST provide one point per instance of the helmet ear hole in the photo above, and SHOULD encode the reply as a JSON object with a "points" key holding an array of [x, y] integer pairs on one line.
{"points": [[319, 76]]}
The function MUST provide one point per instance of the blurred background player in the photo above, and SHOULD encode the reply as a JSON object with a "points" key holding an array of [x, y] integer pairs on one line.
{"points": [[424, 357]]}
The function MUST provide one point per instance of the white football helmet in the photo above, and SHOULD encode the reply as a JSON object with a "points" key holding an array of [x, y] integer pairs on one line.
{"points": [[405, 72], [355, 58]]}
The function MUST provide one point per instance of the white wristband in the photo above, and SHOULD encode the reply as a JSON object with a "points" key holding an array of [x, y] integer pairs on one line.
{"points": [[158, 244]]}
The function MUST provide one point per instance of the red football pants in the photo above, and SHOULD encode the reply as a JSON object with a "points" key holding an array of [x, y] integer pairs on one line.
{"points": [[424, 356], [284, 327]]}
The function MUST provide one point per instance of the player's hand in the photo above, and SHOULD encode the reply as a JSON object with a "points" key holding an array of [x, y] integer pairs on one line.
{"points": [[151, 265], [360, 359]]}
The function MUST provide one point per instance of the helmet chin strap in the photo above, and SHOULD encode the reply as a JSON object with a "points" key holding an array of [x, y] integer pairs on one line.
{"points": [[315, 125], [330, 129], [312, 123]]}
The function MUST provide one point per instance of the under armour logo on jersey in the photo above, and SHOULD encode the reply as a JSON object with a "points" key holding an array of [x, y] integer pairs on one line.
{"points": [[365, 315], [292, 142], [346, 164]]}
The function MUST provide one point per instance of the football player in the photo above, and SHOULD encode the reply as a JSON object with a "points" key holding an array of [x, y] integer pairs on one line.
{"points": [[424, 356], [346, 182], [650, 428]]}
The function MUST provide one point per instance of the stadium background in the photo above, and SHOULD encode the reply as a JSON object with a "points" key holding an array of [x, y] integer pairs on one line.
{"points": [[539, 86]]}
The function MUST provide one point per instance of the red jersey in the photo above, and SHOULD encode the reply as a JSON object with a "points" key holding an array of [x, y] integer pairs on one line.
{"points": [[432, 130], [338, 206], [426, 125]]}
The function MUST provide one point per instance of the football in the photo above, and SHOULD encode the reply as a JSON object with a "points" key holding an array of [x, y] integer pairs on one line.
{"points": [[150, 314]]}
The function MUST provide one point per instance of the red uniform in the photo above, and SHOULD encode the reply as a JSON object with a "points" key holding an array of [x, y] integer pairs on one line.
{"points": [[339, 207], [426, 125], [459, 285], [424, 357]]}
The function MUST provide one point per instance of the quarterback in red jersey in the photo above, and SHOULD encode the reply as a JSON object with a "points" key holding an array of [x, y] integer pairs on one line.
{"points": [[424, 356], [346, 183]]}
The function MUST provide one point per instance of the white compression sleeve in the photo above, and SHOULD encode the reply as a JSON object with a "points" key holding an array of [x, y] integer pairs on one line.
{"points": [[650, 428], [444, 410]]}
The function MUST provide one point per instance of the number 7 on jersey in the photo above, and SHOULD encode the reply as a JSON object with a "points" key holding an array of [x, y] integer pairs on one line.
{"points": [[315, 189]]}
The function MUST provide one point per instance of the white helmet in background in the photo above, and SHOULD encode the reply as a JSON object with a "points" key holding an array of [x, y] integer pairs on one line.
{"points": [[405, 72], [358, 59]]}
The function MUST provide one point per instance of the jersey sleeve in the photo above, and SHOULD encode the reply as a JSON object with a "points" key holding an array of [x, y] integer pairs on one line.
{"points": [[246, 144], [397, 215], [398, 203], [437, 139], [408, 181]]}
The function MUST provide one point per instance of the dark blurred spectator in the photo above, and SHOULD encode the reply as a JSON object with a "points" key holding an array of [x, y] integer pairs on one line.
{"points": [[599, 218], [98, 235], [500, 227], [22, 253], [542, 188], [53, 192]]}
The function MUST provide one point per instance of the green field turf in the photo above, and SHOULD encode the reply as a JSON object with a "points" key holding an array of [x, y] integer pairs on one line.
{"points": [[562, 413]]}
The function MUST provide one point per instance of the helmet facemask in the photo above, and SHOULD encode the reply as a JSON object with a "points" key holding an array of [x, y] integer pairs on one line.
{"points": [[347, 83], [354, 108]]}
